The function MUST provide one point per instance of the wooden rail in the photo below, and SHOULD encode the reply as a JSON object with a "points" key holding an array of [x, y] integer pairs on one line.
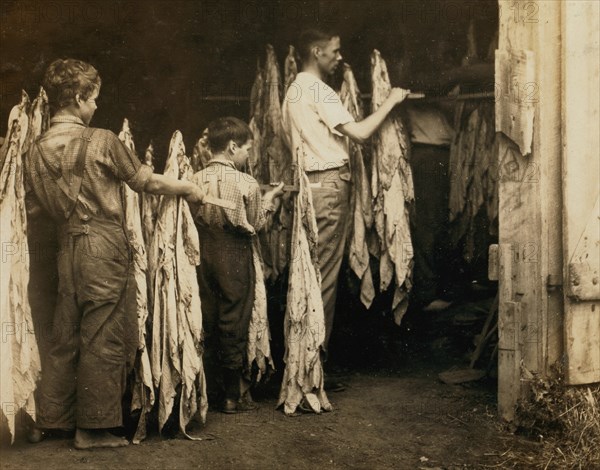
{"points": [[413, 96]]}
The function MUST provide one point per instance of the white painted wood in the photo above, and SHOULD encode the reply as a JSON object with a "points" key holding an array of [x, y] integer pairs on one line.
{"points": [[581, 174]]}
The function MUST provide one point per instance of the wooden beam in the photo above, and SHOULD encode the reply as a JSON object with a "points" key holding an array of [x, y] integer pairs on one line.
{"points": [[548, 142], [493, 263], [509, 327], [486, 95]]}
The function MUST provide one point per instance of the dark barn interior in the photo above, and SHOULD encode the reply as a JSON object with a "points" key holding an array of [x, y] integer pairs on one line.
{"points": [[159, 60], [178, 64], [166, 65]]}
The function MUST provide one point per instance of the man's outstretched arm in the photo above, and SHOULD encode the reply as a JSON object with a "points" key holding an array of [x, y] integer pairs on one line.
{"points": [[361, 131]]}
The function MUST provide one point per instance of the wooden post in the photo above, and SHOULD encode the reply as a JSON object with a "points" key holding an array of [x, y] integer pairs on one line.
{"points": [[548, 143], [530, 206], [509, 329]]}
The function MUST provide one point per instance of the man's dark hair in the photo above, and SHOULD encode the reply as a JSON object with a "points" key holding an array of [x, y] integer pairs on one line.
{"points": [[65, 78], [311, 38], [222, 130]]}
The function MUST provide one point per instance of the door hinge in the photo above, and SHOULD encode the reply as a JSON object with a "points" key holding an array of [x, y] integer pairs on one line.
{"points": [[553, 282]]}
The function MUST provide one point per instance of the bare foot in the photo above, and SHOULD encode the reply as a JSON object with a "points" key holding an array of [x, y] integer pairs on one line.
{"points": [[91, 439]]}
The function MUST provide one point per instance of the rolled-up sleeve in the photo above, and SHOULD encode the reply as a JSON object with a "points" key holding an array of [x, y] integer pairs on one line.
{"points": [[128, 167], [196, 208], [331, 110], [138, 181]]}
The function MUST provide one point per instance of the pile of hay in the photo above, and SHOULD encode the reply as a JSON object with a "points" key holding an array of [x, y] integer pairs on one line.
{"points": [[566, 420]]}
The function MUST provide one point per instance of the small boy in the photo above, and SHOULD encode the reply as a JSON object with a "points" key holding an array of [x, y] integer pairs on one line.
{"points": [[226, 273]]}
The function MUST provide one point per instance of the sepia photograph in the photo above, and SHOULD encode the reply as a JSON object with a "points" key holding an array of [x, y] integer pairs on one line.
{"points": [[299, 234]]}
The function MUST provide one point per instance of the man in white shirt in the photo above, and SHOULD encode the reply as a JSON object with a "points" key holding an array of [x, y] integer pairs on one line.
{"points": [[315, 119]]}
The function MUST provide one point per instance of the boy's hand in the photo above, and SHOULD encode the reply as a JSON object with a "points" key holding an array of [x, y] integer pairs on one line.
{"points": [[276, 192], [196, 196], [272, 197]]}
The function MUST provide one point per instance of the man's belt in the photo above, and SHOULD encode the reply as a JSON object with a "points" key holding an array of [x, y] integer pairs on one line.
{"points": [[286, 187]]}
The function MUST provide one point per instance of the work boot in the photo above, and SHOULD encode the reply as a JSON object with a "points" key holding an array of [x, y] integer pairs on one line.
{"points": [[229, 406], [35, 435], [231, 384], [246, 403], [241, 406]]}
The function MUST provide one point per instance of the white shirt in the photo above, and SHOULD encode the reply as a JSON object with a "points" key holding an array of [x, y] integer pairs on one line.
{"points": [[429, 126], [311, 111]]}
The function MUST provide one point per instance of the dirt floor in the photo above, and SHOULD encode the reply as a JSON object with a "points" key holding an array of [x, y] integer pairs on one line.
{"points": [[394, 413]]}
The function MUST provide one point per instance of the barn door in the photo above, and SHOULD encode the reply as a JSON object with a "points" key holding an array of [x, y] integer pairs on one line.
{"points": [[581, 183]]}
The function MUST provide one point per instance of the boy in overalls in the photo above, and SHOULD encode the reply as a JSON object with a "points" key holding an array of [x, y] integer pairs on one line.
{"points": [[75, 173]]}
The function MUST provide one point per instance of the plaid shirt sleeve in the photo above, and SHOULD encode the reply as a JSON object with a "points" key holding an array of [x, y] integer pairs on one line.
{"points": [[255, 208], [32, 203], [126, 165]]}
